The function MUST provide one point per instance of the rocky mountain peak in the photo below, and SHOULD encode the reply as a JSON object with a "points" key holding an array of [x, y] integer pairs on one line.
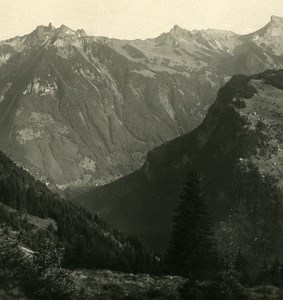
{"points": [[81, 32], [43, 30], [178, 33], [177, 30], [277, 20], [63, 27], [51, 27], [63, 30], [40, 34], [44, 35], [273, 29]]}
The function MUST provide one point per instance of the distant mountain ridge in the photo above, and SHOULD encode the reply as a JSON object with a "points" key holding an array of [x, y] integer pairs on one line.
{"points": [[78, 110], [238, 152]]}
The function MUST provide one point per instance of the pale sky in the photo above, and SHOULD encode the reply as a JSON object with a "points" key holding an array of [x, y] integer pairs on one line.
{"points": [[132, 19]]}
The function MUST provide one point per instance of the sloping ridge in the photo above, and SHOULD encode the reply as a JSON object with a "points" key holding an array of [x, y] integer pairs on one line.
{"points": [[237, 150]]}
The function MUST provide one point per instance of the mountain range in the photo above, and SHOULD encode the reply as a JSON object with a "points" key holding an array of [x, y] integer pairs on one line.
{"points": [[78, 110]]}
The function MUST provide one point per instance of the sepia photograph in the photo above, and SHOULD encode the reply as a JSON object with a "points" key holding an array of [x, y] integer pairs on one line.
{"points": [[141, 150]]}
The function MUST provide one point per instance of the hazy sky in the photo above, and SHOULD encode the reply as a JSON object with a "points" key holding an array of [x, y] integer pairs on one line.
{"points": [[136, 18]]}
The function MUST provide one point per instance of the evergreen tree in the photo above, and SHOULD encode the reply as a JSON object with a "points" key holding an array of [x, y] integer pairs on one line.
{"points": [[192, 250]]}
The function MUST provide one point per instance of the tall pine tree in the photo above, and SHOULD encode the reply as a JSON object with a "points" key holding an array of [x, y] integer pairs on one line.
{"points": [[192, 251]]}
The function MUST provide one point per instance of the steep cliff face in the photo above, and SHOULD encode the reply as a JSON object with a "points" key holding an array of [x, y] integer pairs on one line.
{"points": [[237, 150], [79, 110]]}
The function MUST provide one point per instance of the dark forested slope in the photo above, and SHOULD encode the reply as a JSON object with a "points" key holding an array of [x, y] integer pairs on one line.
{"points": [[238, 152], [84, 237]]}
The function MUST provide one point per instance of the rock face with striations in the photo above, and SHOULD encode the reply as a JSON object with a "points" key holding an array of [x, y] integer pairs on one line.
{"points": [[79, 110], [238, 150]]}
